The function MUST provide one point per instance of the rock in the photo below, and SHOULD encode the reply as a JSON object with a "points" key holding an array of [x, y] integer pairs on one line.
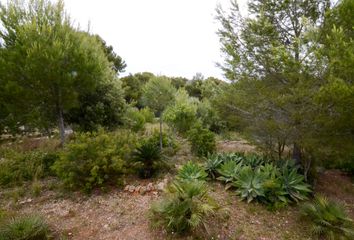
{"points": [[149, 187], [137, 188], [160, 186], [131, 189], [142, 190], [126, 188]]}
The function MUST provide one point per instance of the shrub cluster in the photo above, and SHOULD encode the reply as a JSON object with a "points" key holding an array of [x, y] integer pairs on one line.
{"points": [[17, 167], [202, 140], [94, 159], [255, 178]]}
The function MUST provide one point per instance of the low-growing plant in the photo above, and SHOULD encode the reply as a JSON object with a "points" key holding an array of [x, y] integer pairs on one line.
{"points": [[250, 184], [147, 155], [148, 114], [294, 184], [17, 167], [212, 163], [191, 171], [229, 172], [185, 207], [31, 227], [253, 161], [329, 219], [94, 159], [202, 140], [134, 119]]}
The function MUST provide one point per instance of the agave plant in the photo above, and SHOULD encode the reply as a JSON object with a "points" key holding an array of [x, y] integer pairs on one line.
{"points": [[250, 184], [294, 184], [212, 163], [236, 157], [192, 171], [253, 161], [329, 219], [185, 207], [147, 155], [229, 172]]}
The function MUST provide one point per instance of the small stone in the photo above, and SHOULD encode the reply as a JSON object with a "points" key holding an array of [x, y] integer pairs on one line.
{"points": [[106, 226], [126, 188], [137, 188], [131, 189], [160, 186], [142, 190], [149, 187]]}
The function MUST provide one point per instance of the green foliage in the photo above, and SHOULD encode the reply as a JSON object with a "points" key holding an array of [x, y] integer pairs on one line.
{"points": [[148, 114], [294, 185], [191, 172], [229, 171], [250, 184], [134, 119], [17, 167], [94, 159], [202, 140], [40, 32], [328, 219], [182, 114], [158, 93], [24, 228], [148, 157], [185, 207], [103, 107], [210, 117], [212, 163]]}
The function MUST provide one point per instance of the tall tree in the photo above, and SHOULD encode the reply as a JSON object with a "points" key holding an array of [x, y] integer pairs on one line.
{"points": [[47, 61], [158, 93], [270, 58]]}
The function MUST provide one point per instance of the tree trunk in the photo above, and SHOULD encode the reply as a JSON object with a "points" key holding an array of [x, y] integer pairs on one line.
{"points": [[161, 132], [61, 126], [297, 154]]}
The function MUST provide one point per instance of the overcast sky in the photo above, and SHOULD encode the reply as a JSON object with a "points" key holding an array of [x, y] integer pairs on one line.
{"points": [[170, 37]]}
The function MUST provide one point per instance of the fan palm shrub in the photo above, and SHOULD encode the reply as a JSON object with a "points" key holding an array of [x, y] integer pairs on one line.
{"points": [[147, 157], [29, 227], [185, 207], [192, 171], [329, 219]]}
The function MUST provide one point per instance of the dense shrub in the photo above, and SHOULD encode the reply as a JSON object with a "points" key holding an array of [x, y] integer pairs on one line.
{"points": [[134, 119], [147, 157], [16, 167], [329, 219], [185, 207], [202, 140], [183, 113], [191, 171], [148, 114], [93, 159], [24, 228]]}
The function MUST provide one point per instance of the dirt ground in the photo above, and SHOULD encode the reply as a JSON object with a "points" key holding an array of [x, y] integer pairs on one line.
{"points": [[121, 215]]}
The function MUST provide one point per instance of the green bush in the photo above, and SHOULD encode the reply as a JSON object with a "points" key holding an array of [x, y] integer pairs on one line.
{"points": [[94, 159], [191, 171], [24, 228], [148, 158], [329, 219], [185, 207], [148, 114], [212, 163], [183, 113], [134, 119], [202, 140], [17, 167]]}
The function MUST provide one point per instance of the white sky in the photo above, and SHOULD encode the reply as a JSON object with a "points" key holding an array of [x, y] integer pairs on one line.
{"points": [[169, 37]]}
